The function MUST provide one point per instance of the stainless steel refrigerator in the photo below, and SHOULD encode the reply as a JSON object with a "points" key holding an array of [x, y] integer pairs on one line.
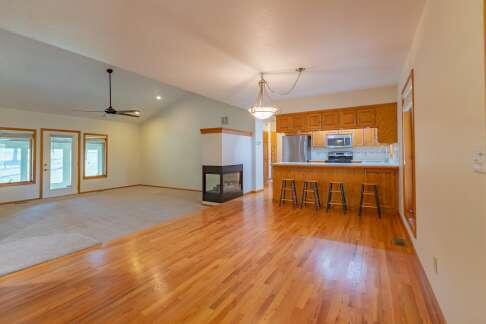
{"points": [[296, 148]]}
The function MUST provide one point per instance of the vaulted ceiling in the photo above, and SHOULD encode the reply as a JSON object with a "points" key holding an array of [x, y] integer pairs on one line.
{"points": [[218, 47]]}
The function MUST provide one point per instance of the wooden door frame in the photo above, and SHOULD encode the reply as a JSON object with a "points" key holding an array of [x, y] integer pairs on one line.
{"points": [[410, 79], [41, 173]]}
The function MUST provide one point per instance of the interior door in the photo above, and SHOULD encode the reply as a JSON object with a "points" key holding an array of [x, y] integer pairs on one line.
{"points": [[60, 163], [408, 143]]}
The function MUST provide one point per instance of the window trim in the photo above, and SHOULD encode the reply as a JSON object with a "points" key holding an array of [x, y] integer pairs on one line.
{"points": [[105, 174], [33, 157]]}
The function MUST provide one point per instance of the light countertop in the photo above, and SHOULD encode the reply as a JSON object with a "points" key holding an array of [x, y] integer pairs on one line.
{"points": [[344, 165]]}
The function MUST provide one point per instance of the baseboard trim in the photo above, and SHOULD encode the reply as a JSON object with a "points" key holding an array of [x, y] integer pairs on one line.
{"points": [[253, 191], [174, 188], [434, 306], [112, 188], [13, 202]]}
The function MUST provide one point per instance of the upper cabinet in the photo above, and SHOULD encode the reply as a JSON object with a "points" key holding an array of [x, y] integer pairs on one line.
{"points": [[386, 122], [292, 123], [283, 123], [348, 118], [299, 123], [315, 121], [330, 120], [382, 118], [366, 117]]}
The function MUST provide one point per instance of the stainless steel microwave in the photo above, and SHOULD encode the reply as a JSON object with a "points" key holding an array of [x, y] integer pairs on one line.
{"points": [[339, 140]]}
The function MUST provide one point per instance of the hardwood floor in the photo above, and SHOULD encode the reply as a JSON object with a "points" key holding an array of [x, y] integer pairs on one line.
{"points": [[245, 261]]}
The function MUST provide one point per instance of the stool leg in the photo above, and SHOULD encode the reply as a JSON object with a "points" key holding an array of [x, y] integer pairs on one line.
{"points": [[282, 192], [377, 197], [294, 195], [329, 197], [343, 199], [316, 194], [304, 195], [361, 200]]}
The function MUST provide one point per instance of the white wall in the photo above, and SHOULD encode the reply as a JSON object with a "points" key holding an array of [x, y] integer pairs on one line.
{"points": [[123, 149], [228, 149], [258, 181], [447, 56], [340, 100], [172, 140], [237, 149]]}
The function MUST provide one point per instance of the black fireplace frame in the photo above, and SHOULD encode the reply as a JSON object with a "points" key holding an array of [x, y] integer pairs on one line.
{"points": [[222, 196]]}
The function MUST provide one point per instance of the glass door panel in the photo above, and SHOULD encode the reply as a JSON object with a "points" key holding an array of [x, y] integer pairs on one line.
{"points": [[61, 171]]}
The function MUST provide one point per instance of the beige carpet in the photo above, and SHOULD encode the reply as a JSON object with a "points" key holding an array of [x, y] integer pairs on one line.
{"points": [[42, 230], [23, 253]]}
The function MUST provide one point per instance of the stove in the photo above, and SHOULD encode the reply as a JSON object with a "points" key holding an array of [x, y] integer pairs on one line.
{"points": [[340, 157]]}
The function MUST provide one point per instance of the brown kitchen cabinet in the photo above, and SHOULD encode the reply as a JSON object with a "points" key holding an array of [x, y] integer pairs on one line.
{"points": [[382, 118], [358, 137], [299, 123], [370, 137], [318, 139], [366, 117], [348, 118], [330, 120], [314, 121], [283, 123]]}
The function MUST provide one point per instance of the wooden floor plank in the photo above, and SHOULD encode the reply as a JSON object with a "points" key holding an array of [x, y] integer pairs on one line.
{"points": [[244, 261]]}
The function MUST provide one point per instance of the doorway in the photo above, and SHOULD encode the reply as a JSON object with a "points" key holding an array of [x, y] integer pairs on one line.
{"points": [[408, 142], [269, 150], [60, 162]]}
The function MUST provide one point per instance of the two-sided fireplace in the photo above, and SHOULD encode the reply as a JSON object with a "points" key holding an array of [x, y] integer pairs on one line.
{"points": [[222, 183]]}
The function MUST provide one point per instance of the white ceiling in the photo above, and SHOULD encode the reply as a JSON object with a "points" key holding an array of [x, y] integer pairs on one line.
{"points": [[217, 47], [39, 77]]}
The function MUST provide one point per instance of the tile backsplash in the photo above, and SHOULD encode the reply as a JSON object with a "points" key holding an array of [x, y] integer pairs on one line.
{"points": [[382, 153]]}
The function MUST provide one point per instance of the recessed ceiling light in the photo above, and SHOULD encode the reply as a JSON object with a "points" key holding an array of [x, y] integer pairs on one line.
{"points": [[158, 98]]}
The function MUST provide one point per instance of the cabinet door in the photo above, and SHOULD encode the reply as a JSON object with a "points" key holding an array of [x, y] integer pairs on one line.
{"points": [[315, 121], [386, 121], [299, 123], [370, 137], [358, 137], [366, 117], [318, 139], [330, 119], [348, 118], [283, 124]]}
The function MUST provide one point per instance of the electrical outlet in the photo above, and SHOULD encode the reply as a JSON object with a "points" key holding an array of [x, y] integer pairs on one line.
{"points": [[436, 265]]}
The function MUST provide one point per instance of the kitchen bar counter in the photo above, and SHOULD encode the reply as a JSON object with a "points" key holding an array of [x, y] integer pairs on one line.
{"points": [[345, 165], [385, 175]]}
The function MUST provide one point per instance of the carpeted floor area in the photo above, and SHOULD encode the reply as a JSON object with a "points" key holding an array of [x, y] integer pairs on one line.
{"points": [[38, 231]]}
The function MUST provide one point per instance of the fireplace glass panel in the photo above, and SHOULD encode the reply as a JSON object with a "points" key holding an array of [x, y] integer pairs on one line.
{"points": [[231, 182], [212, 183]]}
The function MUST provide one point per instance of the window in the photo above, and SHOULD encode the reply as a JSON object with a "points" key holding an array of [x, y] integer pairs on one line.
{"points": [[95, 155], [17, 156]]}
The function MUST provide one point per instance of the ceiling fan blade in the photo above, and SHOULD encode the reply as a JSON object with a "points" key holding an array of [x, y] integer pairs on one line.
{"points": [[130, 113]]}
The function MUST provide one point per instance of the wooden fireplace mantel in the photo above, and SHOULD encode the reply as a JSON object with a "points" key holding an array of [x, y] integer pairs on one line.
{"points": [[226, 131]]}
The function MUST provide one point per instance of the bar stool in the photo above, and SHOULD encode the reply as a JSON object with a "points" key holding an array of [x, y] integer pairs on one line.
{"points": [[336, 187], [288, 185], [366, 192], [312, 187]]}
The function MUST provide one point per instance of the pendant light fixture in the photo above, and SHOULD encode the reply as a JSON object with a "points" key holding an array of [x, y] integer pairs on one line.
{"points": [[263, 108]]}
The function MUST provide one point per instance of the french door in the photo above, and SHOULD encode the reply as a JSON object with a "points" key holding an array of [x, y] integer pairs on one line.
{"points": [[60, 162]]}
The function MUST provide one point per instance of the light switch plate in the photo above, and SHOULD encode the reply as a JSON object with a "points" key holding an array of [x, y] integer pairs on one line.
{"points": [[479, 161]]}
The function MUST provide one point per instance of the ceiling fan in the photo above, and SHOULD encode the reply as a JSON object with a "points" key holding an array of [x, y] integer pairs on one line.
{"points": [[112, 111]]}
